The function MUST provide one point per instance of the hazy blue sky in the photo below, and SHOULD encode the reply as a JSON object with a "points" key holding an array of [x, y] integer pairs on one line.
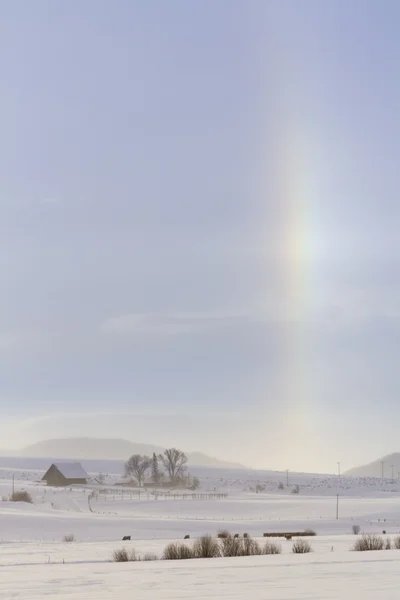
{"points": [[199, 226]]}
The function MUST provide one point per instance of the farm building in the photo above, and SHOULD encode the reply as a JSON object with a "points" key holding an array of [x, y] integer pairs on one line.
{"points": [[68, 473]]}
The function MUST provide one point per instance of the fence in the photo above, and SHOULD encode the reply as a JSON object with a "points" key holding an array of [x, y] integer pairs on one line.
{"points": [[121, 495]]}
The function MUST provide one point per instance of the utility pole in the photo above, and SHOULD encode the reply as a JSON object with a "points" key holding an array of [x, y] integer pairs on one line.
{"points": [[337, 506], [13, 485], [287, 477], [392, 471], [382, 464]]}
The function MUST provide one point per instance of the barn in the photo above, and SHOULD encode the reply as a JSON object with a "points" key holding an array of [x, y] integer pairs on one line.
{"points": [[66, 473]]}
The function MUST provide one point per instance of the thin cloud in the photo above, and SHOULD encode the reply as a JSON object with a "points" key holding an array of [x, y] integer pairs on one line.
{"points": [[170, 323]]}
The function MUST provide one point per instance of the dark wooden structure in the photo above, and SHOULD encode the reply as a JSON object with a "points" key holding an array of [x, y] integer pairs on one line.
{"points": [[64, 474]]}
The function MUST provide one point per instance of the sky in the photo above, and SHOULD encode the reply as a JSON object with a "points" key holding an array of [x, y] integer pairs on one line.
{"points": [[199, 224]]}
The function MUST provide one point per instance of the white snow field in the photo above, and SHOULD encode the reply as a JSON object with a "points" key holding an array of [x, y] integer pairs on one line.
{"points": [[36, 563]]}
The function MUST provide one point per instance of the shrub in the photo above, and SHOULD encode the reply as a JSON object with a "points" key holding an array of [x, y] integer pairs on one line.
{"points": [[231, 546], [310, 533], [250, 547], [177, 552], [396, 542], [150, 556], [206, 547], [123, 555], [272, 548], [21, 497], [223, 534], [296, 489], [301, 546], [388, 544], [281, 486], [69, 538], [356, 529], [369, 542]]}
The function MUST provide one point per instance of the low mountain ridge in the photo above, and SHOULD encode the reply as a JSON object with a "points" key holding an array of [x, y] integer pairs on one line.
{"points": [[378, 467], [111, 449]]}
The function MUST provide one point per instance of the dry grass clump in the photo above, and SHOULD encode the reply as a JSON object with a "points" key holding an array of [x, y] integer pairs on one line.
{"points": [[149, 556], [206, 547], [369, 542], [301, 546], [272, 548], [22, 496], [124, 555], [177, 551]]}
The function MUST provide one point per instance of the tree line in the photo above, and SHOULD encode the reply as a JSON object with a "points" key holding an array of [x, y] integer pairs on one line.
{"points": [[170, 468]]}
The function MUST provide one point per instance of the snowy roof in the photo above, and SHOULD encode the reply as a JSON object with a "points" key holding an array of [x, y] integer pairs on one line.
{"points": [[72, 470]]}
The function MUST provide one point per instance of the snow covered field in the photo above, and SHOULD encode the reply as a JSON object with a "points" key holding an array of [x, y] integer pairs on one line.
{"points": [[35, 562], [341, 576]]}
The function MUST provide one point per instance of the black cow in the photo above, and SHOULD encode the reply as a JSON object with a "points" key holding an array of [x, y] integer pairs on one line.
{"points": [[126, 538]]}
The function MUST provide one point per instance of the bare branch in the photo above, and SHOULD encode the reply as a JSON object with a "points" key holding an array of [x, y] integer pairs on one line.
{"points": [[174, 462], [137, 467]]}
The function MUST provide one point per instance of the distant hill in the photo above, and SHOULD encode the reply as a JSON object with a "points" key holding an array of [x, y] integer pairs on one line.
{"points": [[111, 449], [374, 469]]}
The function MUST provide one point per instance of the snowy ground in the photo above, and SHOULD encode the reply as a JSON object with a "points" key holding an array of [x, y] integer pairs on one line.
{"points": [[340, 575], [36, 563]]}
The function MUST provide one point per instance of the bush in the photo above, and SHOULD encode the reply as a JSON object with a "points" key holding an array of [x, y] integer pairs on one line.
{"points": [[388, 544], [396, 542], [309, 533], [223, 534], [272, 548], [235, 546], [231, 546], [206, 547], [69, 538], [150, 556], [296, 489], [301, 546], [21, 497], [369, 542], [250, 547], [177, 552], [123, 555], [281, 486], [356, 529]]}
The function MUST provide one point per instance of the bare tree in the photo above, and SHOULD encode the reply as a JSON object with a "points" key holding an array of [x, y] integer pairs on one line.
{"points": [[137, 467], [174, 462]]}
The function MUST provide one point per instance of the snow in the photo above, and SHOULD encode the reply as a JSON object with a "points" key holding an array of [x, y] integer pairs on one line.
{"points": [[327, 576], [71, 470], [35, 562]]}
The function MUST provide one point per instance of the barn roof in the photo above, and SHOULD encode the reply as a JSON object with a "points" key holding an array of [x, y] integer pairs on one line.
{"points": [[72, 470]]}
